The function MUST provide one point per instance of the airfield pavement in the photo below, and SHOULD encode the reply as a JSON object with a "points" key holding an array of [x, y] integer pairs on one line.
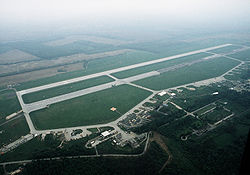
{"points": [[27, 108]]}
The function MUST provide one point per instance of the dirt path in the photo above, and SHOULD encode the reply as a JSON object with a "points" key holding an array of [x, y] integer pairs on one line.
{"points": [[159, 139]]}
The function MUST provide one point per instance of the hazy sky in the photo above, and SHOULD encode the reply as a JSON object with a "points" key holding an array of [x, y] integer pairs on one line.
{"points": [[50, 10]]}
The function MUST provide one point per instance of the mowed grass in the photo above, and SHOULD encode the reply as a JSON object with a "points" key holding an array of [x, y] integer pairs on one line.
{"points": [[13, 130], [225, 49], [64, 89], [89, 109], [8, 103], [205, 109], [157, 66], [243, 55], [189, 74]]}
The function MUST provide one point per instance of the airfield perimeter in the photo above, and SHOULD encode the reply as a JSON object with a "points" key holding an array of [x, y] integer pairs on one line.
{"points": [[27, 108]]}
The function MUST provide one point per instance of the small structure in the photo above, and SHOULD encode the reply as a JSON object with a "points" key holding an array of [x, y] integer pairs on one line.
{"points": [[105, 134], [172, 94], [113, 109], [162, 93], [215, 93], [13, 115]]}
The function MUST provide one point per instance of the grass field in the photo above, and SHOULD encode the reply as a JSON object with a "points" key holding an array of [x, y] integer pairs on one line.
{"points": [[8, 104], [205, 109], [157, 66], [60, 90], [189, 74], [89, 109], [13, 130], [225, 49], [243, 55], [49, 52], [94, 66], [215, 115]]}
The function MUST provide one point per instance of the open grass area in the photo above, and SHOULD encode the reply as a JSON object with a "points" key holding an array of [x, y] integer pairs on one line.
{"points": [[214, 116], [89, 109], [94, 66], [189, 74], [226, 49], [205, 109], [157, 66], [64, 89], [13, 130], [8, 104], [243, 55]]}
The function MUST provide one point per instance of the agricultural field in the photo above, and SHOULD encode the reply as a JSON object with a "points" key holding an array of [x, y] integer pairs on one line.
{"points": [[243, 55], [39, 74], [21, 67], [94, 66], [157, 66], [8, 103], [89, 109], [94, 39], [64, 89], [207, 69], [49, 52], [16, 56], [13, 130]]}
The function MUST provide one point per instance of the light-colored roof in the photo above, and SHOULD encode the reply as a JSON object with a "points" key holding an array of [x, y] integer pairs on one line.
{"points": [[113, 109], [162, 93], [105, 133]]}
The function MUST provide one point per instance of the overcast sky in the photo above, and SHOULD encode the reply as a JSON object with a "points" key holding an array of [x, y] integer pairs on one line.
{"points": [[57, 10]]}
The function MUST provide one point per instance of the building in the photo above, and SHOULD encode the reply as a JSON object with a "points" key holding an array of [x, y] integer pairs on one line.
{"points": [[105, 134], [162, 93]]}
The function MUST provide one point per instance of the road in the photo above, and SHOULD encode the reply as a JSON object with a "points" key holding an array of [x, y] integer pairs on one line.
{"points": [[82, 156], [27, 108], [39, 88], [41, 104]]}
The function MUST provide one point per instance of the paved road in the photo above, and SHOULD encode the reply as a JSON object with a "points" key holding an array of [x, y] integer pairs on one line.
{"points": [[27, 108], [82, 156], [117, 70], [117, 82], [44, 103]]}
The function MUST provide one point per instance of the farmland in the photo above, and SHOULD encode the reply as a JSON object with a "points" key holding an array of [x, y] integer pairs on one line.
{"points": [[15, 56], [64, 89], [89, 109], [94, 66], [207, 69]]}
